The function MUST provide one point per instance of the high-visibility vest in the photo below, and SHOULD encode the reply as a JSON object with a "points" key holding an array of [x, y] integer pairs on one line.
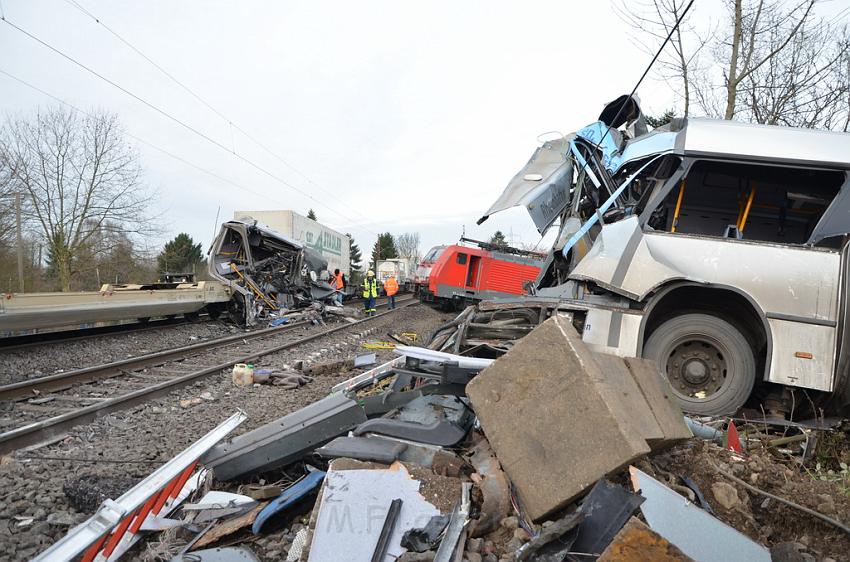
{"points": [[370, 288], [338, 281], [391, 286]]}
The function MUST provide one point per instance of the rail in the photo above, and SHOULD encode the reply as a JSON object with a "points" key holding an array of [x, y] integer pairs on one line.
{"points": [[47, 429]]}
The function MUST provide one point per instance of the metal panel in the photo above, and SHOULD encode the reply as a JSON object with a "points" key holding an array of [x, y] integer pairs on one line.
{"points": [[621, 261], [791, 280], [542, 185], [286, 439], [352, 509], [698, 534], [612, 332], [792, 337], [766, 142]]}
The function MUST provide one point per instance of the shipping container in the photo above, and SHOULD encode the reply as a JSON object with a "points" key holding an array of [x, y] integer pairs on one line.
{"points": [[332, 245], [403, 270]]}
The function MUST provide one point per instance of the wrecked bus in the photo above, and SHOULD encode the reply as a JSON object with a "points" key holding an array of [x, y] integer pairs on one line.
{"points": [[268, 272], [718, 249]]}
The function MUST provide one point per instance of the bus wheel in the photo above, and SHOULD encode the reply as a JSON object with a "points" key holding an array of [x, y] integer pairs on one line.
{"points": [[708, 362]]}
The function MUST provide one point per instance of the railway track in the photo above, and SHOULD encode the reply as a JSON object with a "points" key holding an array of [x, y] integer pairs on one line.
{"points": [[83, 395]]}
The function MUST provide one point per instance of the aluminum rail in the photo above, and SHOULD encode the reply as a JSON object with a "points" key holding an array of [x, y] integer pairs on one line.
{"points": [[44, 430]]}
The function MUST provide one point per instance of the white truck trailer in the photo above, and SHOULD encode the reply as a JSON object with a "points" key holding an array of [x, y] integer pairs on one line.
{"points": [[333, 245], [402, 269]]}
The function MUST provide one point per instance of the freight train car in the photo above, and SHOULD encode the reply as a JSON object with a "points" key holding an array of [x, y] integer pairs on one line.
{"points": [[22, 313], [463, 275]]}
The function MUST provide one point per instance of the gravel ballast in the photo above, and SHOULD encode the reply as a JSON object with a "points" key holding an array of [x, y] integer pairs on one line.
{"points": [[34, 508]]}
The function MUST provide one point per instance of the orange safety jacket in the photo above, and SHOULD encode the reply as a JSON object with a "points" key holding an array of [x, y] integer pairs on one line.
{"points": [[391, 286], [338, 281]]}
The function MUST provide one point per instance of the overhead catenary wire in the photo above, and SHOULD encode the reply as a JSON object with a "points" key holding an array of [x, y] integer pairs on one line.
{"points": [[645, 72], [179, 122], [138, 139], [231, 124]]}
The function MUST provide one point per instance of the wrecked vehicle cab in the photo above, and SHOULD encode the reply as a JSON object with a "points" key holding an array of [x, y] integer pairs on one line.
{"points": [[716, 248], [267, 271]]}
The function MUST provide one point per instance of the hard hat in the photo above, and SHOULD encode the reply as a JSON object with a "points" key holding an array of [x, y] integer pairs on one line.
{"points": [[370, 273]]}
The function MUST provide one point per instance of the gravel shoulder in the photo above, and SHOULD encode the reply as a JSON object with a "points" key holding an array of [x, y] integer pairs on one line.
{"points": [[38, 361], [34, 510]]}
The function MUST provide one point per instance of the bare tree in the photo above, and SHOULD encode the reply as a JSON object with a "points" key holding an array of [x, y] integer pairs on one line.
{"points": [[774, 62], [804, 86], [80, 178], [654, 21], [407, 245]]}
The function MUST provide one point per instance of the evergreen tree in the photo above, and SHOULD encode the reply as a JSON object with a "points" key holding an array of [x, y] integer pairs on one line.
{"points": [[498, 239], [180, 255], [311, 214], [655, 122], [383, 249], [354, 253]]}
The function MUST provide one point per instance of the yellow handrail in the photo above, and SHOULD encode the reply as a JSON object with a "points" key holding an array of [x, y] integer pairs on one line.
{"points": [[259, 294], [745, 215], [678, 206]]}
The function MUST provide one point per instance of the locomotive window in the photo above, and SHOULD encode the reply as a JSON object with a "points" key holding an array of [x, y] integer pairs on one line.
{"points": [[461, 259]]}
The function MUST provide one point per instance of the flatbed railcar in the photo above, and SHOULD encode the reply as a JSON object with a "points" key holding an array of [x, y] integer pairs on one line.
{"points": [[463, 275], [22, 313]]}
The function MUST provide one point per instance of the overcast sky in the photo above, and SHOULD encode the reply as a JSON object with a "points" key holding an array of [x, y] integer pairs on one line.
{"points": [[402, 116]]}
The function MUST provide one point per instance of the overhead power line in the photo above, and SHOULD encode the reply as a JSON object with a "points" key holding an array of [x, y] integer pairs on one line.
{"points": [[178, 121], [78, 6], [645, 72], [141, 140]]}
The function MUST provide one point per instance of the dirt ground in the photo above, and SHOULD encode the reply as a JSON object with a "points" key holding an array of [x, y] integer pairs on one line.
{"points": [[762, 519], [126, 446]]}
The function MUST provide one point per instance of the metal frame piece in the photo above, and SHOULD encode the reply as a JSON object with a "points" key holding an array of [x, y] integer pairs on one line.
{"points": [[286, 439], [454, 538], [387, 530]]}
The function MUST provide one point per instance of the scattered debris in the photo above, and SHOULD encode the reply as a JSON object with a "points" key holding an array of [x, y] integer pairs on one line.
{"points": [[488, 448], [693, 530]]}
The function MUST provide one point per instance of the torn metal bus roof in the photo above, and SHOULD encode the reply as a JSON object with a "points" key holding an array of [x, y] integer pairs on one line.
{"points": [[543, 185]]}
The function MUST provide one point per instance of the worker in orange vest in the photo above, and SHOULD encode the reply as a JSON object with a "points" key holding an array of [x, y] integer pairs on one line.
{"points": [[391, 288], [338, 284]]}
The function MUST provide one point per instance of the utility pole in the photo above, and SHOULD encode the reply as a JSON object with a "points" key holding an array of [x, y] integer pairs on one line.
{"points": [[20, 242]]}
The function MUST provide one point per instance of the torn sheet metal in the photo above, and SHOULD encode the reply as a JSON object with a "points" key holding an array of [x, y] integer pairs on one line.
{"points": [[542, 185], [606, 509], [554, 542], [425, 538], [455, 537], [495, 490], [699, 535], [352, 510]]}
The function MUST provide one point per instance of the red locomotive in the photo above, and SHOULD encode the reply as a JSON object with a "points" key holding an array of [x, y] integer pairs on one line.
{"points": [[462, 275], [423, 270]]}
